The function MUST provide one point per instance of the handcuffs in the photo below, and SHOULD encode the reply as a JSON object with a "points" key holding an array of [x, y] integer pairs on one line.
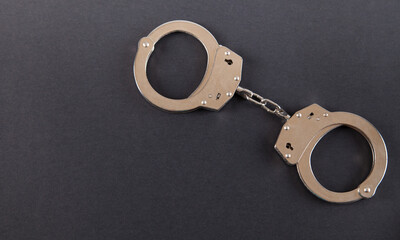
{"points": [[300, 133]]}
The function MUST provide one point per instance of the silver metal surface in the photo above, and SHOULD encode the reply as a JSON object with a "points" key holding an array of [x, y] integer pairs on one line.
{"points": [[224, 68], [265, 103], [298, 136], [297, 143]]}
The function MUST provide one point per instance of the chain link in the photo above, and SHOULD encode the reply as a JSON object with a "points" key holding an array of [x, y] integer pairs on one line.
{"points": [[265, 103]]}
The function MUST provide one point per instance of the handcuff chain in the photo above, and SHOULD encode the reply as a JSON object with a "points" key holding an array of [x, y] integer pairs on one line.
{"points": [[265, 103]]}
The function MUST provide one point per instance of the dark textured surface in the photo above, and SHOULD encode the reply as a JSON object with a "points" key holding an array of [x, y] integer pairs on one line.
{"points": [[84, 156]]}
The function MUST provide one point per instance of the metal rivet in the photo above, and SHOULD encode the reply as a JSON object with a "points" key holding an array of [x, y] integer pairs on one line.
{"points": [[286, 127], [367, 189], [203, 102], [210, 95], [298, 115], [237, 78], [287, 155], [227, 53], [229, 94], [318, 119], [325, 115], [146, 44]]}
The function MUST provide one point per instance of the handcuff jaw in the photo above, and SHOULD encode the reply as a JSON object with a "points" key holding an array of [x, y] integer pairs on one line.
{"points": [[302, 132], [220, 81]]}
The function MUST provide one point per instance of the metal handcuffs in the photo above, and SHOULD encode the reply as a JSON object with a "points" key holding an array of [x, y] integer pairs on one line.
{"points": [[300, 133]]}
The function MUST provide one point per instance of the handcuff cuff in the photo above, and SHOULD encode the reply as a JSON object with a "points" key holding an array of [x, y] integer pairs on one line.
{"points": [[300, 133]]}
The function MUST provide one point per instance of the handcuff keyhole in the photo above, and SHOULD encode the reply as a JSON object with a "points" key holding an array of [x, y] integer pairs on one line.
{"points": [[310, 116], [229, 61], [289, 146]]}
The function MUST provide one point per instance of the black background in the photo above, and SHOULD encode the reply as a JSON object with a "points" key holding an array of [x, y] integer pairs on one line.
{"points": [[84, 156]]}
